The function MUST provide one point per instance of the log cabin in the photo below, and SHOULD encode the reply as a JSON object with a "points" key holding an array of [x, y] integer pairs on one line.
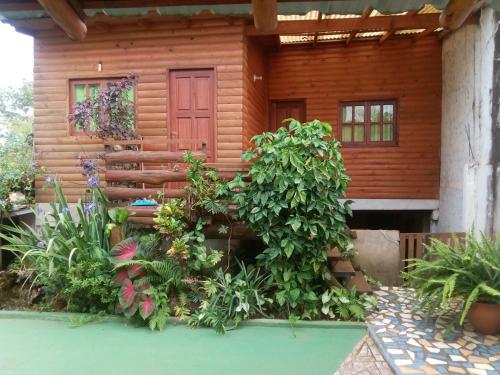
{"points": [[407, 86]]}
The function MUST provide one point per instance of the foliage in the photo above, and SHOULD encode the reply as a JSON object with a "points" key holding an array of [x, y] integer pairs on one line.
{"points": [[171, 218], [110, 112], [16, 104], [346, 304], [17, 169], [469, 272], [61, 241], [230, 300], [90, 287], [293, 203], [145, 286]]}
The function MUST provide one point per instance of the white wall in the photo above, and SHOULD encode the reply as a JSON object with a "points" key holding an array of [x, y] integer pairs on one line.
{"points": [[466, 133]]}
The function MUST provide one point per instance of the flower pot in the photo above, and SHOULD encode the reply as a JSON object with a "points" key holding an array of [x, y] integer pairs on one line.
{"points": [[485, 318]]}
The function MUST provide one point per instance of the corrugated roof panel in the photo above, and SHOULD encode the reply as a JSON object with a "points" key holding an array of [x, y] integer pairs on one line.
{"points": [[429, 9], [291, 39], [370, 34], [408, 31], [330, 37], [310, 16]]}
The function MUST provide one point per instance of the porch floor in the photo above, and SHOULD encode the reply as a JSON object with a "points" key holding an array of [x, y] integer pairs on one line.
{"points": [[411, 346], [38, 343]]}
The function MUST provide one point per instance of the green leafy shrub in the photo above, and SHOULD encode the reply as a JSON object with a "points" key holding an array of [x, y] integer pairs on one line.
{"points": [[90, 288], [17, 168], [293, 203], [170, 219], [232, 299], [345, 304], [468, 272], [62, 242]]}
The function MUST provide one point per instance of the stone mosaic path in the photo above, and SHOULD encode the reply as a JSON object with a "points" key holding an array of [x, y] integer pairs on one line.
{"points": [[365, 359], [413, 347]]}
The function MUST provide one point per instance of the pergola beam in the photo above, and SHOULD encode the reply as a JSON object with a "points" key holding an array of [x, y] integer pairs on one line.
{"points": [[345, 25], [366, 13], [265, 15], [66, 17], [456, 12]]}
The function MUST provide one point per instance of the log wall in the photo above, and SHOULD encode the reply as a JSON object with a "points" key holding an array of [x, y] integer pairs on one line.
{"points": [[398, 69], [255, 101], [149, 50]]}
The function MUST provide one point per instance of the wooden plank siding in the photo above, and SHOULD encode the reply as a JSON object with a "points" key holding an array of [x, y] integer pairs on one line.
{"points": [[400, 69], [255, 102], [149, 51]]}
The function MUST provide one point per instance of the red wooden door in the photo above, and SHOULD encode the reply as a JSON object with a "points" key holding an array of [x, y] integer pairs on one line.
{"points": [[192, 109], [283, 109]]}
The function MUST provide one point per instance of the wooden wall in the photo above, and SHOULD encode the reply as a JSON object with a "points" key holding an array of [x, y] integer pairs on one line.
{"points": [[255, 103], [149, 50], [402, 69]]}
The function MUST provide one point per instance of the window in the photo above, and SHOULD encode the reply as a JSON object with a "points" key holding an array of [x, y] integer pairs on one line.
{"points": [[368, 123], [81, 89]]}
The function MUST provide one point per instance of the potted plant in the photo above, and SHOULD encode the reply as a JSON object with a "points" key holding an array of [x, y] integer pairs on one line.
{"points": [[466, 276]]}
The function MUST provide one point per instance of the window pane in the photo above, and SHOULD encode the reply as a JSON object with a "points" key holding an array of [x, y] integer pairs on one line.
{"points": [[374, 133], [130, 94], [375, 113], [388, 112], [346, 133], [79, 93], [359, 113], [93, 89], [359, 133], [388, 134], [346, 114]]}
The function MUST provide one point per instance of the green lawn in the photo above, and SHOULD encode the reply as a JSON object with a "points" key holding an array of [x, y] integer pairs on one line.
{"points": [[37, 343]]}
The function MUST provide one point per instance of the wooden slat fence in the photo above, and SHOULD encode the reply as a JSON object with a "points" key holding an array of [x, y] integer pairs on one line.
{"points": [[412, 245]]}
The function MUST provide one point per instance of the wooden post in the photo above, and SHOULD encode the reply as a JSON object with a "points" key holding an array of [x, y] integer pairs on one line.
{"points": [[116, 235], [456, 12], [65, 16], [265, 15]]}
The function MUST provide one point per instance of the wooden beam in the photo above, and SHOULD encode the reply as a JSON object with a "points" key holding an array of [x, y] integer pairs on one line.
{"points": [[320, 16], [424, 33], [65, 16], [265, 15], [154, 177], [77, 7], [344, 25], [366, 13], [386, 35], [150, 156], [122, 193], [456, 12]]}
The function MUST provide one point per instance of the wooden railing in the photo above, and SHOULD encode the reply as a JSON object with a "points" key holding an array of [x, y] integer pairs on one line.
{"points": [[412, 245], [160, 175]]}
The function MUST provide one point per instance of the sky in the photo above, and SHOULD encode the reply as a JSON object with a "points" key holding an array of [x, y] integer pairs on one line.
{"points": [[16, 56]]}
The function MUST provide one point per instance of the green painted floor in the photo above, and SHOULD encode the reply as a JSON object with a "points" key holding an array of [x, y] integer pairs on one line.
{"points": [[47, 345]]}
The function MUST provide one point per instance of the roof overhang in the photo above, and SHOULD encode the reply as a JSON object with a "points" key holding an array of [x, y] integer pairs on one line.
{"points": [[345, 20]]}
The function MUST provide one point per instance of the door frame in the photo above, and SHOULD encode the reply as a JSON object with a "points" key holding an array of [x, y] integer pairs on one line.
{"points": [[272, 106], [168, 103]]}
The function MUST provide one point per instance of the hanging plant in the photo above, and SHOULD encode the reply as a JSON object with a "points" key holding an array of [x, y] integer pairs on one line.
{"points": [[109, 114]]}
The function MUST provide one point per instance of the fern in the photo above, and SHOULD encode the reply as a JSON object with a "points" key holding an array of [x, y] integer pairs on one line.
{"points": [[467, 272]]}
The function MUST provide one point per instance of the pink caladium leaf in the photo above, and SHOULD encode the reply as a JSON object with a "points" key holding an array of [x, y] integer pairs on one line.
{"points": [[127, 293], [132, 309], [146, 307], [144, 287], [121, 276], [134, 270], [125, 250]]}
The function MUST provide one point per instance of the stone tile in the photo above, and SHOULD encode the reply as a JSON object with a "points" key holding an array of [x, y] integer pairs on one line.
{"points": [[456, 370], [434, 361], [457, 358], [476, 359]]}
